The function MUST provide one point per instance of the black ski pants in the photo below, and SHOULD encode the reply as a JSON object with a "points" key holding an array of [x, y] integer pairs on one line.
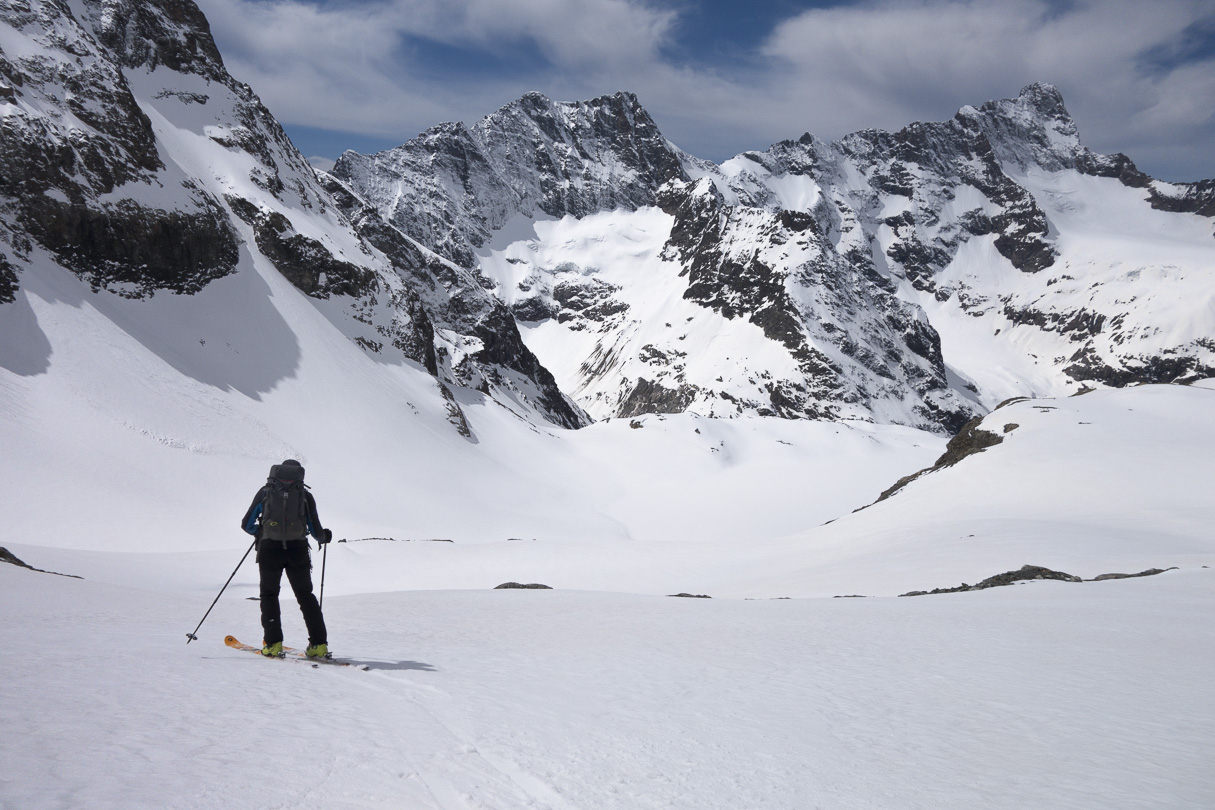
{"points": [[272, 561]]}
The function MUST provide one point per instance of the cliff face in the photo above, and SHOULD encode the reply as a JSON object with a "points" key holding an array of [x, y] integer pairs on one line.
{"points": [[133, 159], [919, 276], [81, 175], [452, 187]]}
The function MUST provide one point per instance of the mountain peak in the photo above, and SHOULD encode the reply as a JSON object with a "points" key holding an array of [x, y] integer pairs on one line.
{"points": [[1045, 99], [1034, 128]]}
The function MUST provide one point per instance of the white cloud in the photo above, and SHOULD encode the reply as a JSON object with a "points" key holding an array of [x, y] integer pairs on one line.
{"points": [[828, 71], [887, 63], [348, 67]]}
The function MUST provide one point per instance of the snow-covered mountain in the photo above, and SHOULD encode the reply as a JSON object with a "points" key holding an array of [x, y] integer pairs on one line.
{"points": [[134, 160], [918, 277], [565, 259], [453, 187]]}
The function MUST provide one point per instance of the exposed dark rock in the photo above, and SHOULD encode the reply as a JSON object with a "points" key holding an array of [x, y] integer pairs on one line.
{"points": [[920, 262], [1118, 166], [503, 345], [896, 180], [651, 397], [970, 439], [1086, 365], [692, 595], [1010, 401], [517, 585], [8, 281], [1151, 572], [172, 33], [455, 414], [7, 556], [1077, 324], [135, 250], [535, 308], [590, 300], [1028, 572], [1033, 572], [420, 342], [303, 261], [1193, 198]]}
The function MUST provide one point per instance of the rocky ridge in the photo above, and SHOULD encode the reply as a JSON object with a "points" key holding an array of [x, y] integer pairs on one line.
{"points": [[915, 277], [838, 252], [105, 105], [453, 186]]}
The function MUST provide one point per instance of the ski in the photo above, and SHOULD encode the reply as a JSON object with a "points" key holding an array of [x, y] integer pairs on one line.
{"points": [[290, 654]]}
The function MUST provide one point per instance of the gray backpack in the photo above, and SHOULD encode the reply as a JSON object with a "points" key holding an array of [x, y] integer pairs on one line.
{"points": [[284, 510]]}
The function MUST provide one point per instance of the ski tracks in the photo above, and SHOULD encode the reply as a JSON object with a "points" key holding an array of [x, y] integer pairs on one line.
{"points": [[421, 757]]}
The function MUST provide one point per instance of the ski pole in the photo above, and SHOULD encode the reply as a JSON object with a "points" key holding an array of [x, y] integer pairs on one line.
{"points": [[191, 636], [324, 559]]}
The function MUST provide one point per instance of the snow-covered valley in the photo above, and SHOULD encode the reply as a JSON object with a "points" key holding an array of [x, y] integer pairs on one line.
{"points": [[552, 348], [605, 692]]}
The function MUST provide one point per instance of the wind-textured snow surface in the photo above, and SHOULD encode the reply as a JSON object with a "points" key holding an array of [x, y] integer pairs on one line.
{"points": [[605, 693], [1093, 695]]}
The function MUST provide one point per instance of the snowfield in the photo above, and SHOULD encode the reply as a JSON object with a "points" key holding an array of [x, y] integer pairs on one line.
{"points": [[1048, 694], [604, 693]]}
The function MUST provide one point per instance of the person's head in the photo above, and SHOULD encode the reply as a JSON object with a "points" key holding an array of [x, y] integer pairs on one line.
{"points": [[291, 463]]}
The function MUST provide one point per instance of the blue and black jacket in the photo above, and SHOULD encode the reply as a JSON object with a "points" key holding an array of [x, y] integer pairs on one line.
{"points": [[251, 523]]}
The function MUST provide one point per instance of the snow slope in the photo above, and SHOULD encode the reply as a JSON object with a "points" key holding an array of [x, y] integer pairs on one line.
{"points": [[1111, 480], [1058, 695], [149, 400], [620, 252], [604, 694]]}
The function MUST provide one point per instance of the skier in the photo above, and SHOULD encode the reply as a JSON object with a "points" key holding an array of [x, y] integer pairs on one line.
{"points": [[281, 513]]}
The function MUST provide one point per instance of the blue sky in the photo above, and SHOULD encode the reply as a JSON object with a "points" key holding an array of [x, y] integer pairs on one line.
{"points": [[724, 77]]}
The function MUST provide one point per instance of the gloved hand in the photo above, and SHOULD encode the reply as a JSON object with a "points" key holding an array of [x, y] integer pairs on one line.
{"points": [[326, 536]]}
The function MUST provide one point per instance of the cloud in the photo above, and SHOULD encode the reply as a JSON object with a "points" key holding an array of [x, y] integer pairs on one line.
{"points": [[1138, 77], [362, 67], [883, 64]]}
